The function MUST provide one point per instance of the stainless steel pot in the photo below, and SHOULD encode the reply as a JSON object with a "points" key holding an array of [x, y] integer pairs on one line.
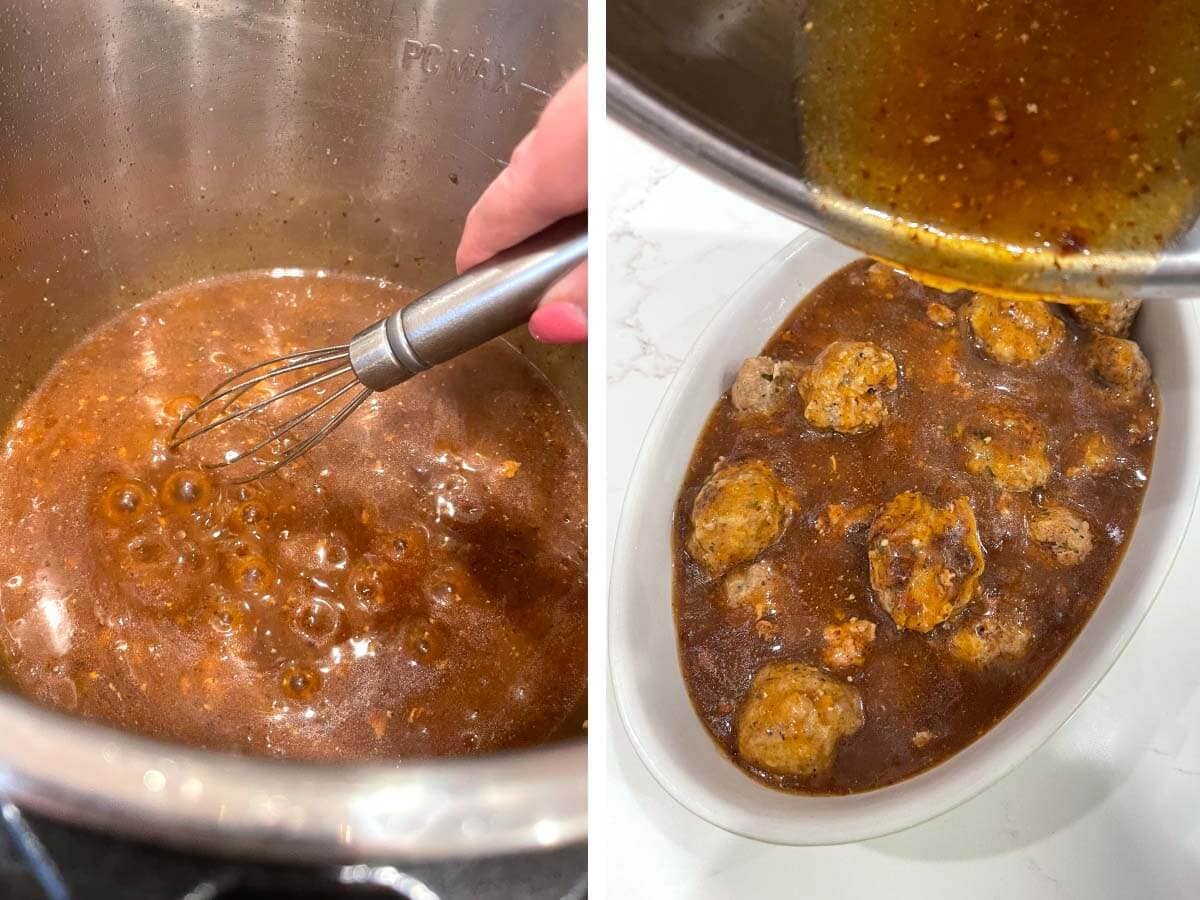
{"points": [[148, 142], [713, 82]]}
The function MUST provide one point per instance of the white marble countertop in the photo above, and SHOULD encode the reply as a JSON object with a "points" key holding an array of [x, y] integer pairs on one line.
{"points": [[1109, 808]]}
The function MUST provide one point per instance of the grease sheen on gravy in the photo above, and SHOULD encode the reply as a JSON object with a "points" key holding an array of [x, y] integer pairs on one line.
{"points": [[414, 586]]}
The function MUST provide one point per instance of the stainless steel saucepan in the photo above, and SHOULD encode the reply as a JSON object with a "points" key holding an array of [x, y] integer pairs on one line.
{"points": [[148, 142]]}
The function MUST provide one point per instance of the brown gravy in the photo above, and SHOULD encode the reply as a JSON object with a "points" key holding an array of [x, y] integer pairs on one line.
{"points": [[1050, 126], [919, 703], [415, 586]]}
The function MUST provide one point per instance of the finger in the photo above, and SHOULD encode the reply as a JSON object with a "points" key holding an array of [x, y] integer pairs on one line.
{"points": [[562, 316], [571, 288], [545, 181]]}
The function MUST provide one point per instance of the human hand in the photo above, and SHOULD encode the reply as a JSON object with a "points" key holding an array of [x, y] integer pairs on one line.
{"points": [[545, 181]]}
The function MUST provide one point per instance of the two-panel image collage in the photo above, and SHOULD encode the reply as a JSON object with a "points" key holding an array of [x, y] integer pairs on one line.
{"points": [[550, 449]]}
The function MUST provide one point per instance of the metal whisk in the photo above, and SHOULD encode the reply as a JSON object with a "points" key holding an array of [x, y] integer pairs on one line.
{"points": [[479, 305]]}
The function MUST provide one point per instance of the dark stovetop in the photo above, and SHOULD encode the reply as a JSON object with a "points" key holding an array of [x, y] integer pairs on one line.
{"points": [[45, 860]]}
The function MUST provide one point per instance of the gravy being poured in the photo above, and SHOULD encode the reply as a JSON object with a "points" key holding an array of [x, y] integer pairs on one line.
{"points": [[1055, 127], [414, 586]]}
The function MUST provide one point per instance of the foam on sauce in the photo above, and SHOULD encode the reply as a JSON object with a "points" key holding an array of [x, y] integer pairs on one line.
{"points": [[414, 586]]}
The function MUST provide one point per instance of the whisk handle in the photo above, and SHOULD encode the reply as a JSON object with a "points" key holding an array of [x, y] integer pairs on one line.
{"points": [[481, 304]]}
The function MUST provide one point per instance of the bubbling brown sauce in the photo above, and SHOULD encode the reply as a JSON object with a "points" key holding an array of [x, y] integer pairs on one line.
{"points": [[923, 694], [414, 586]]}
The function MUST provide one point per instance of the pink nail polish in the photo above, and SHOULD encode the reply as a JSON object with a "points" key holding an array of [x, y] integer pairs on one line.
{"points": [[559, 323]]}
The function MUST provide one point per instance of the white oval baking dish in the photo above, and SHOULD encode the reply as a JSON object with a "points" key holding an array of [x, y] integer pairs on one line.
{"points": [[643, 653]]}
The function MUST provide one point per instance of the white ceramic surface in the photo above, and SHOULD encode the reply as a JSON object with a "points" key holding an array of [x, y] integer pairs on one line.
{"points": [[649, 690]]}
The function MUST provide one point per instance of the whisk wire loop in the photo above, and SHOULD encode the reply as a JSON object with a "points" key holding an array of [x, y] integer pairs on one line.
{"points": [[285, 428], [337, 359], [310, 442], [295, 363]]}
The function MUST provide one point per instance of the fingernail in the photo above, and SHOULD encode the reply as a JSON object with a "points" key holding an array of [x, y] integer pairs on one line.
{"points": [[559, 323]]}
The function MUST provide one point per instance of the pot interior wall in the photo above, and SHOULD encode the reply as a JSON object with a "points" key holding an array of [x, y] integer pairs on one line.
{"points": [[729, 64], [144, 143]]}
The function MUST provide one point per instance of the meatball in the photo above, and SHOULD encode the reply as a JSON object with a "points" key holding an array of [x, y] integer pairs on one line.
{"points": [[763, 385], [982, 640], [1064, 533], [793, 717], [1119, 365], [741, 510], [1014, 331], [752, 587], [1095, 455], [846, 643], [845, 388], [1007, 445], [1114, 318], [925, 560]]}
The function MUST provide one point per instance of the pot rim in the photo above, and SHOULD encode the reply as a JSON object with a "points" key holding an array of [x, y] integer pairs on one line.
{"points": [[89, 773]]}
